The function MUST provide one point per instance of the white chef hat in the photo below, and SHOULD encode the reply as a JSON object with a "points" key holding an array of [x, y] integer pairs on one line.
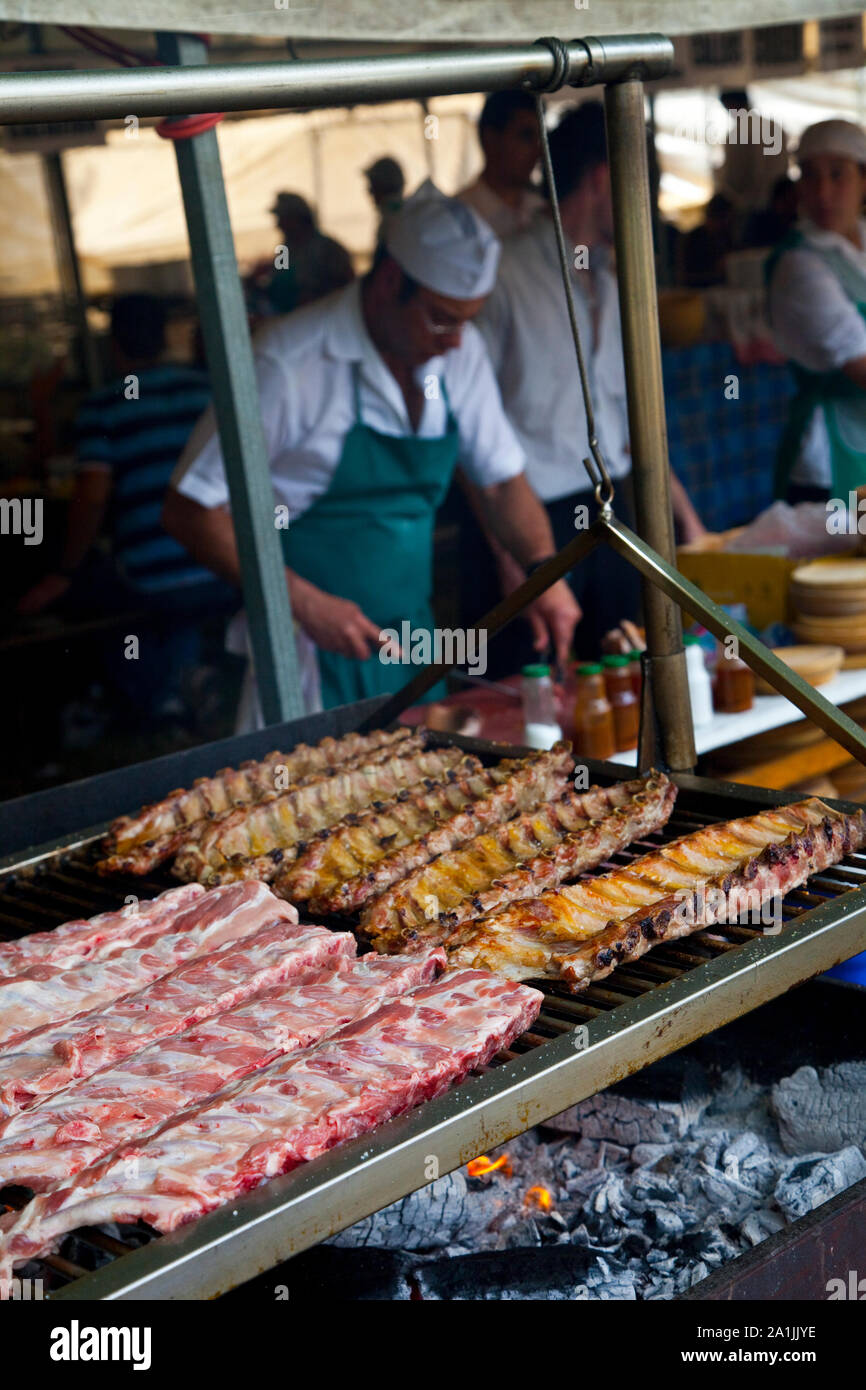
{"points": [[833, 137], [443, 244]]}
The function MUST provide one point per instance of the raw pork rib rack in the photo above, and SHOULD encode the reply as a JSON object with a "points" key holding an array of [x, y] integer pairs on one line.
{"points": [[643, 1010]]}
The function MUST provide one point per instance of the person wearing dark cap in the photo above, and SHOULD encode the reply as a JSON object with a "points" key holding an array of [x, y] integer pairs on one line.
{"points": [[503, 194], [385, 183], [525, 323], [317, 264]]}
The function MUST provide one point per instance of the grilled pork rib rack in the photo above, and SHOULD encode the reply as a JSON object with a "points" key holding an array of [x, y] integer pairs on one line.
{"points": [[519, 859], [362, 855], [581, 931], [137, 844], [253, 841]]}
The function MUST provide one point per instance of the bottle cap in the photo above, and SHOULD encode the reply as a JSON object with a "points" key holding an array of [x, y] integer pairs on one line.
{"points": [[593, 669], [691, 639], [615, 662], [535, 671], [635, 654]]}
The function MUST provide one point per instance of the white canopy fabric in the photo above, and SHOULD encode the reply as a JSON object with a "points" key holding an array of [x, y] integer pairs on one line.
{"points": [[428, 21]]}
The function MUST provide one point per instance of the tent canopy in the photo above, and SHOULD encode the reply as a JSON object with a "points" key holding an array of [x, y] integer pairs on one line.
{"points": [[428, 21]]}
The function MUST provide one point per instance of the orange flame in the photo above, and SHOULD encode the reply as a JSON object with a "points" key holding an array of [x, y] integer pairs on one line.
{"points": [[538, 1197], [482, 1166]]}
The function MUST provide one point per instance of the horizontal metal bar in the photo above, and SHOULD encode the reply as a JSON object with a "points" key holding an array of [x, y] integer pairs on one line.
{"points": [[759, 657], [289, 1214], [492, 622], [162, 91]]}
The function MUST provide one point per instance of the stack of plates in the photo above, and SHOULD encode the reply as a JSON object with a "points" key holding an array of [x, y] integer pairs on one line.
{"points": [[816, 664], [829, 602]]}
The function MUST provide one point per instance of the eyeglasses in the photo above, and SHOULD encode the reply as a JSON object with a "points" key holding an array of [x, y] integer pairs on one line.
{"points": [[438, 329]]}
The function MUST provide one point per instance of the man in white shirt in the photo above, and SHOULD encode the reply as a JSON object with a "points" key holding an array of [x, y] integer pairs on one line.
{"points": [[817, 304], [503, 192], [369, 400], [526, 326]]}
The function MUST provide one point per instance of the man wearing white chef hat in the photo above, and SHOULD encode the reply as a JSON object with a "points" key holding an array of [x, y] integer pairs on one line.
{"points": [[817, 302], [370, 398]]}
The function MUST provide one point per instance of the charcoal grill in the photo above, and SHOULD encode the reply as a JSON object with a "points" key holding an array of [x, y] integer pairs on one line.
{"points": [[577, 1046]]}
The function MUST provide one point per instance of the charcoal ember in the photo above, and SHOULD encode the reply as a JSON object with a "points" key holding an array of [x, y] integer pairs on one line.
{"points": [[611, 1199], [619, 1119], [664, 1223], [821, 1112], [658, 1156], [551, 1272], [552, 1225], [600, 1241], [760, 1224], [729, 1196], [710, 1245], [748, 1160], [587, 1183], [325, 1275], [429, 1219], [609, 1281], [524, 1233], [810, 1181], [659, 1290]]}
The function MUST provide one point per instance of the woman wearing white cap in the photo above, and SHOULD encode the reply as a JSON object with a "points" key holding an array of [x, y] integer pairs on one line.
{"points": [[369, 399], [817, 300]]}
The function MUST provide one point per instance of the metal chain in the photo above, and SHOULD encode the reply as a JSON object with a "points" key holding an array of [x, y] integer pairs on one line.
{"points": [[596, 469]]}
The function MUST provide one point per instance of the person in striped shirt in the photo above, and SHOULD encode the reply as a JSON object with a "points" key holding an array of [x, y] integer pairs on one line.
{"points": [[129, 436]]}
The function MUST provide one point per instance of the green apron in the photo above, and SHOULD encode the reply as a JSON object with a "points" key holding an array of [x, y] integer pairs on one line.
{"points": [[843, 402], [369, 538]]}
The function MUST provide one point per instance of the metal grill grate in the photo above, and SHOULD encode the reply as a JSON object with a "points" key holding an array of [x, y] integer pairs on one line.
{"points": [[642, 1011]]}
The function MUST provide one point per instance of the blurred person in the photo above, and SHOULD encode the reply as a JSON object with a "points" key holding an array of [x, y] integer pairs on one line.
{"points": [[755, 158], [768, 227], [526, 325], [316, 264], [369, 401], [817, 307], [503, 193], [385, 184], [129, 436], [701, 252]]}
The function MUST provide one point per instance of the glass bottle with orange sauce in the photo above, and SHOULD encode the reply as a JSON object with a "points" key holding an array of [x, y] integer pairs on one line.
{"points": [[594, 728], [623, 701], [734, 685]]}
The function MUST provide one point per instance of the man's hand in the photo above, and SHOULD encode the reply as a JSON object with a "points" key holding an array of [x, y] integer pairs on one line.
{"points": [[334, 624], [553, 617], [49, 589]]}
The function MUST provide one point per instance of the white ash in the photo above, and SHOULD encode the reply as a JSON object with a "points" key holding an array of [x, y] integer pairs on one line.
{"points": [[818, 1109], [655, 1193]]}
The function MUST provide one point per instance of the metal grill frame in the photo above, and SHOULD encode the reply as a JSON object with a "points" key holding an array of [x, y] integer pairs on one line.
{"points": [[289, 1214]]}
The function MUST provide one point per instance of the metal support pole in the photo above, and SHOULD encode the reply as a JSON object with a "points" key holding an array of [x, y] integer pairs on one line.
{"points": [[635, 264], [236, 402], [98, 95], [68, 265]]}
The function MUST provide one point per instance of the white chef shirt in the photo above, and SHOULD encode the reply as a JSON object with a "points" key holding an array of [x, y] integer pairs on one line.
{"points": [[504, 218], [304, 368], [815, 324], [526, 326]]}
